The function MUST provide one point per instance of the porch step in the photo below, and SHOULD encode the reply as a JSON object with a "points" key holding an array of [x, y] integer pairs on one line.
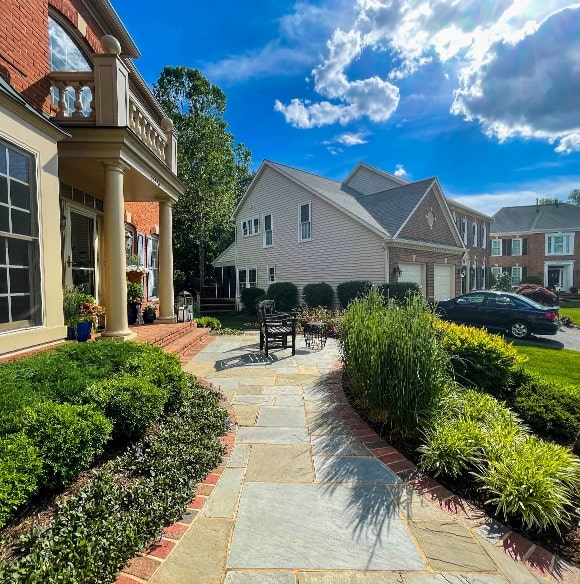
{"points": [[189, 343], [214, 306]]}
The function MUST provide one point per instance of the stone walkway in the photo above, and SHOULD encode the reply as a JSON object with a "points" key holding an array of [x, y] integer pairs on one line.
{"points": [[311, 495]]}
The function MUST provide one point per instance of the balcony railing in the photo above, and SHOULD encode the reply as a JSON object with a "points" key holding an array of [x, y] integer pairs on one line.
{"points": [[104, 98]]}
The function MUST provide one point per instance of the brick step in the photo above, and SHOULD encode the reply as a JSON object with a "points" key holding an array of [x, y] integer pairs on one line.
{"points": [[184, 343], [174, 333]]}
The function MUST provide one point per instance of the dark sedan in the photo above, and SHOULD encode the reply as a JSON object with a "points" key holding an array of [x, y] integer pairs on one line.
{"points": [[501, 311]]}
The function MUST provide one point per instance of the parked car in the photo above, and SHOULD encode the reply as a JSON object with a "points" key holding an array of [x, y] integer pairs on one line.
{"points": [[501, 311]]}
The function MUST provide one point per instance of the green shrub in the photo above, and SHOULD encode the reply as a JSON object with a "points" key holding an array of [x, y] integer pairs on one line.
{"points": [[20, 468], [250, 298], [394, 361], [132, 404], [480, 359], [320, 294], [73, 298], [549, 409], [122, 509], [399, 291], [532, 481], [68, 437], [532, 280], [285, 294], [209, 322], [349, 291], [134, 292], [503, 283]]}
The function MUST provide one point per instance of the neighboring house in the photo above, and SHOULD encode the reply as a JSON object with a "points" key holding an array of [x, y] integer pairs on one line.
{"points": [[537, 240], [87, 169], [298, 227]]}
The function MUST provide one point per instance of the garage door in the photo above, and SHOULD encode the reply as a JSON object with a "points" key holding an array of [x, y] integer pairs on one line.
{"points": [[443, 288], [412, 273]]}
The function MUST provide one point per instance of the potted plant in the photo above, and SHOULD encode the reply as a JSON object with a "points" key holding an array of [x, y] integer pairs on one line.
{"points": [[134, 300], [74, 298], [149, 313], [86, 320]]}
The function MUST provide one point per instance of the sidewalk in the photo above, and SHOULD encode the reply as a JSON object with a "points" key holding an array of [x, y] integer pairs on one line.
{"points": [[311, 495]]}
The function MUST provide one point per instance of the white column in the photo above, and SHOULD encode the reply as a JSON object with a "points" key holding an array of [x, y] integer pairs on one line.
{"points": [[165, 263], [115, 265]]}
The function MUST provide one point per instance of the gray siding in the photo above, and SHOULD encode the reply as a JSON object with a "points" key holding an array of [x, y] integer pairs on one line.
{"points": [[368, 182], [341, 249]]}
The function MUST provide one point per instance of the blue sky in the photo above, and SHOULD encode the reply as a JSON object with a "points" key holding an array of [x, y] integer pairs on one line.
{"points": [[483, 94]]}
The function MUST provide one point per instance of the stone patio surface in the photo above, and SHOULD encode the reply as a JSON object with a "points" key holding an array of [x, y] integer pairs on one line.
{"points": [[311, 495]]}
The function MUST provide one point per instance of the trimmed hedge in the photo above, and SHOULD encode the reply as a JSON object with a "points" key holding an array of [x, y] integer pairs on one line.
{"points": [[349, 291], [209, 322], [68, 438], [250, 298], [315, 295], [285, 294], [122, 508], [399, 291], [20, 468], [480, 359], [132, 404]]}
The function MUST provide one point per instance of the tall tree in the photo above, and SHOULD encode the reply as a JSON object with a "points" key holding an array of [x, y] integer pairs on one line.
{"points": [[547, 200], [210, 164], [574, 197]]}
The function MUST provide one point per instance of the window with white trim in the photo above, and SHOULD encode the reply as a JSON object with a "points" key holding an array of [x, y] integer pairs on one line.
{"points": [[516, 275], [250, 227], [305, 222], [20, 300], [484, 236], [475, 228], [559, 243], [495, 272], [495, 247], [247, 278], [271, 274], [153, 265], [517, 247], [464, 230], [268, 239]]}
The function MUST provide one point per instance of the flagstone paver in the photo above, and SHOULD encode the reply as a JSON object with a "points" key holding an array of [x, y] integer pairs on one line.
{"points": [[309, 494]]}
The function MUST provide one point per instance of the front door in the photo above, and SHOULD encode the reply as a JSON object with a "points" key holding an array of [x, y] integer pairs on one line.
{"points": [[555, 277], [80, 248]]}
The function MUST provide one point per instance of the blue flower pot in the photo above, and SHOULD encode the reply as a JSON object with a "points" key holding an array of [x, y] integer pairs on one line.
{"points": [[84, 331]]}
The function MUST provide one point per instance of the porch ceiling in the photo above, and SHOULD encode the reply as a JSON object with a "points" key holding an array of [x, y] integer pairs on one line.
{"points": [[146, 177]]}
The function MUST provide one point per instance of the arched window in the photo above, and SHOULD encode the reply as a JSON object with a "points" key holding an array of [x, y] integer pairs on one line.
{"points": [[65, 55]]}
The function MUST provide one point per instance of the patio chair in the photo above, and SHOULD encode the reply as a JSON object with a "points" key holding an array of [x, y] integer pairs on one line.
{"points": [[275, 328]]}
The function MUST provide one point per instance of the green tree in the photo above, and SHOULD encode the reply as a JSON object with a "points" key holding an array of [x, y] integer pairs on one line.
{"points": [[212, 166], [574, 197], [547, 200]]}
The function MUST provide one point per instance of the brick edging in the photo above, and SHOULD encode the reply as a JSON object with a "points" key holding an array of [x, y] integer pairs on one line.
{"points": [[536, 558]]}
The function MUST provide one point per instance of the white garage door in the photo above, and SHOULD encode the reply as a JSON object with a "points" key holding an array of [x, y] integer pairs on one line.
{"points": [[412, 273], [443, 288]]}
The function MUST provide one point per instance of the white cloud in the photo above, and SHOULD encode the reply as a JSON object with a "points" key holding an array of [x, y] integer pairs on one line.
{"points": [[352, 139], [400, 171], [515, 64]]}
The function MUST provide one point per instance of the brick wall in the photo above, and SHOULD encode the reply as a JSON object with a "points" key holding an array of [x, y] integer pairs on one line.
{"points": [[24, 52]]}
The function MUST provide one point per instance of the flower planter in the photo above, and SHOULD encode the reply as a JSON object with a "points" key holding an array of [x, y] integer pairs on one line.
{"points": [[84, 331], [133, 311], [148, 317]]}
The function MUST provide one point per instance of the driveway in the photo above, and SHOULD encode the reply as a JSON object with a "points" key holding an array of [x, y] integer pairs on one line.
{"points": [[565, 338]]}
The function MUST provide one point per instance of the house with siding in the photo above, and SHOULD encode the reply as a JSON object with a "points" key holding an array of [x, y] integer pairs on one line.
{"points": [[296, 226], [537, 240], [88, 169]]}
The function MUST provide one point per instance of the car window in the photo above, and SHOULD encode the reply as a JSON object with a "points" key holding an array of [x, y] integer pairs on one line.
{"points": [[504, 302], [471, 299]]}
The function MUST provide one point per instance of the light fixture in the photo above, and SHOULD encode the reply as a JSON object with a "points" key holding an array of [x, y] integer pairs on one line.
{"points": [[397, 272], [461, 272], [128, 241]]}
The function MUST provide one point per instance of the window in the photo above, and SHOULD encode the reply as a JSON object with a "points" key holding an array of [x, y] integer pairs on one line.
{"points": [[475, 228], [247, 278], [153, 265], [495, 272], [464, 230], [65, 55], [483, 283], [20, 302], [268, 231], [516, 275], [484, 236], [496, 247], [560, 244], [250, 227], [305, 227], [516, 247], [271, 274]]}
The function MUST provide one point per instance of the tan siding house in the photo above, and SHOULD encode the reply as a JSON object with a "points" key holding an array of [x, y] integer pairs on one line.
{"points": [[294, 226]]}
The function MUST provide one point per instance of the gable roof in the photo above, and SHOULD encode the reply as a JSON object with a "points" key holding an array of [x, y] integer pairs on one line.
{"points": [[536, 218], [386, 177]]}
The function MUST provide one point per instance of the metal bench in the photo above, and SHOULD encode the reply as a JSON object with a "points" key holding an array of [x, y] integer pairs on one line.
{"points": [[275, 327]]}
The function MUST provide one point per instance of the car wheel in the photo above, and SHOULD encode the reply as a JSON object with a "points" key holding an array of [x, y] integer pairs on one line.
{"points": [[519, 329]]}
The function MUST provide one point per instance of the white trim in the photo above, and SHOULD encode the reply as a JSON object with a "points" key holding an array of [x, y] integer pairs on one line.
{"points": [[495, 255], [271, 230], [562, 234], [300, 222], [521, 246], [249, 284]]}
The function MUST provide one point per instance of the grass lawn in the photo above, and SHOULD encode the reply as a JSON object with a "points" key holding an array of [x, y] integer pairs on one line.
{"points": [[572, 310], [561, 365], [241, 322]]}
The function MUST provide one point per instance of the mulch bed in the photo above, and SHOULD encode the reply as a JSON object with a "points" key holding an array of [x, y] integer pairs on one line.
{"points": [[566, 545]]}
